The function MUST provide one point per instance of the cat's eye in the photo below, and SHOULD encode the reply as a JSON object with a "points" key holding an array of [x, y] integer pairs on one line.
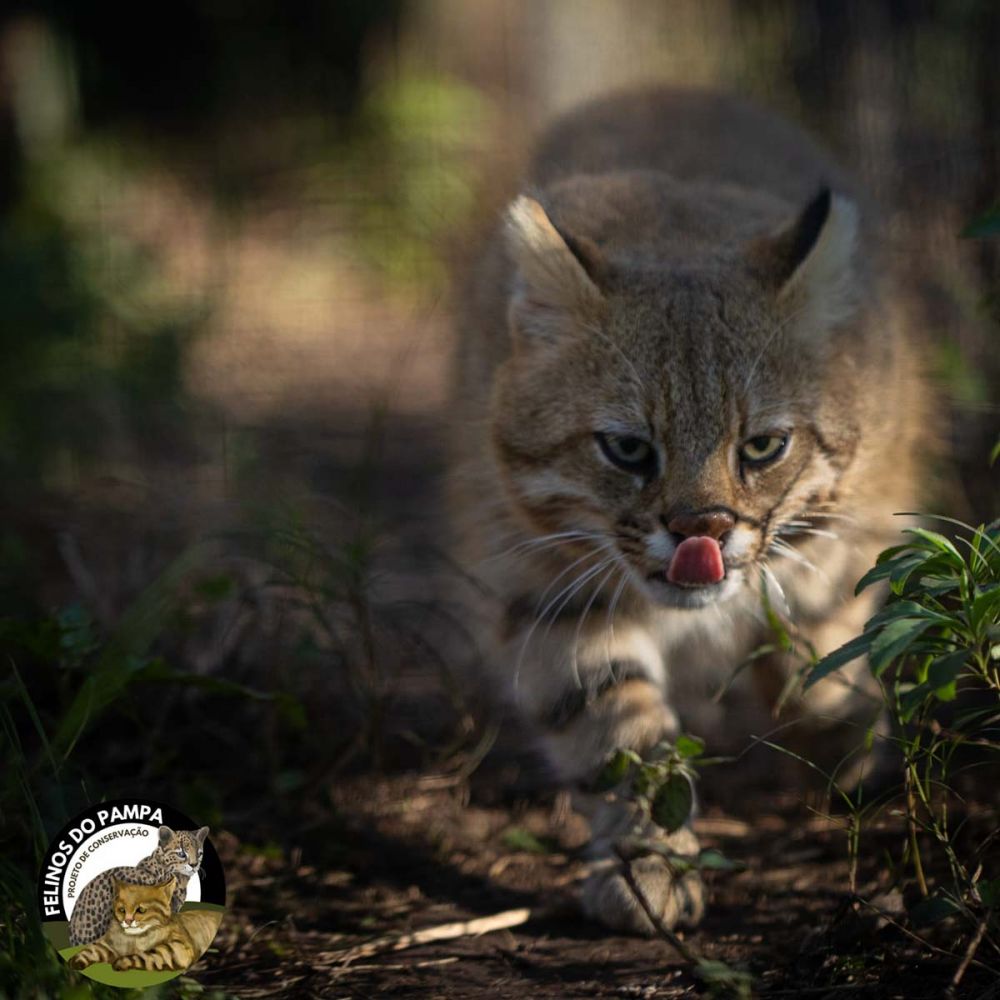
{"points": [[180, 854], [628, 452], [763, 448], [140, 909]]}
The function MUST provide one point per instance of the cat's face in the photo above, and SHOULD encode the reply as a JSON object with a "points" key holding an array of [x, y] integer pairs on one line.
{"points": [[140, 908], [672, 424], [182, 850]]}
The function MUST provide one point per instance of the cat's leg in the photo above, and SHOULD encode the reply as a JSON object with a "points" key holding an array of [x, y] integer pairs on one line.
{"points": [[591, 689], [93, 953], [173, 953]]}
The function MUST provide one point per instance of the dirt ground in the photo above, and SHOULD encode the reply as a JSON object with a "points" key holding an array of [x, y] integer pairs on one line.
{"points": [[414, 852]]}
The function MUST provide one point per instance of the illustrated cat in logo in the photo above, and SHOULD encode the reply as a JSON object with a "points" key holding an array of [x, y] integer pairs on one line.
{"points": [[145, 933], [178, 855]]}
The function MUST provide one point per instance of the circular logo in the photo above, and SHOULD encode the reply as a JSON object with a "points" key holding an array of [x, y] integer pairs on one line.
{"points": [[131, 892]]}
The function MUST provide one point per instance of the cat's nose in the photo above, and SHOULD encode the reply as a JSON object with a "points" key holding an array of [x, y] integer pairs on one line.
{"points": [[713, 523]]}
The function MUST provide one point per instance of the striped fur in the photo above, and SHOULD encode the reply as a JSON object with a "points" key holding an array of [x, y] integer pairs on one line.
{"points": [[146, 934], [671, 273]]}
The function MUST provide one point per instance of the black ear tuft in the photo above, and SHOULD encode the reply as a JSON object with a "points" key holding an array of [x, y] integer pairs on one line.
{"points": [[586, 251], [806, 231]]}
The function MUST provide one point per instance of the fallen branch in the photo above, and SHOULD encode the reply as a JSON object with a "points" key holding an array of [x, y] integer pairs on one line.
{"points": [[969, 956], [442, 932]]}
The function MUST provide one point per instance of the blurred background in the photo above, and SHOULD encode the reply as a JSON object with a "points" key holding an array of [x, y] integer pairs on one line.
{"points": [[226, 235]]}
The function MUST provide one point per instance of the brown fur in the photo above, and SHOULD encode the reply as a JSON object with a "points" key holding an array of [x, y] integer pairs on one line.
{"points": [[178, 853], [671, 274], [146, 934]]}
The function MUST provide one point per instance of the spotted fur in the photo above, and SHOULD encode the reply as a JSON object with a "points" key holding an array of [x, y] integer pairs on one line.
{"points": [[693, 271], [178, 855]]}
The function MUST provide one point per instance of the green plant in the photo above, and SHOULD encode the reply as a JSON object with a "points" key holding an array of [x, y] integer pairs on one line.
{"points": [[659, 788], [934, 651]]}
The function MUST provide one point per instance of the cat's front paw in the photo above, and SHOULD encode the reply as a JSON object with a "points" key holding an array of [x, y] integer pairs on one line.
{"points": [[124, 962], [675, 898], [82, 959]]}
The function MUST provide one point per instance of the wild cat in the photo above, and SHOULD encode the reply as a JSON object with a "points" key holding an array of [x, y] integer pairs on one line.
{"points": [[145, 932], [682, 369], [178, 855]]}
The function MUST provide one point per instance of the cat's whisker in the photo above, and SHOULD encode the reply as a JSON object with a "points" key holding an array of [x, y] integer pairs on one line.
{"points": [[772, 581], [542, 543], [583, 617], [782, 549], [580, 584], [566, 594], [805, 529], [569, 590], [834, 515]]}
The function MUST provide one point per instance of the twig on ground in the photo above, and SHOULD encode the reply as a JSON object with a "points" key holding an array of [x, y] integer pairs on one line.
{"points": [[442, 932], [661, 928], [969, 955]]}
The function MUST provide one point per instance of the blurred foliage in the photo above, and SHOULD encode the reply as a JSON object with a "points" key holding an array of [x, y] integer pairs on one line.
{"points": [[92, 351], [413, 146]]}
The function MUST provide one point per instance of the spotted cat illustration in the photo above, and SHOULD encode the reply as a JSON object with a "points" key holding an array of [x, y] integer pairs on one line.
{"points": [[177, 856]]}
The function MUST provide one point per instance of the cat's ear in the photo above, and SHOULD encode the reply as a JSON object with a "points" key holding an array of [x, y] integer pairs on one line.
{"points": [[200, 835], [556, 286], [167, 888], [811, 264], [165, 834]]}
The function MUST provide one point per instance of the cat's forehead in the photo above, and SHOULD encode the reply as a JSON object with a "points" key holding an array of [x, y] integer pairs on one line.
{"points": [[181, 839], [672, 308], [696, 342]]}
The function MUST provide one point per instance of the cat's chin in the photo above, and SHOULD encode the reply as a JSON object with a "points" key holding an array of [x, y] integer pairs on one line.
{"points": [[671, 595]]}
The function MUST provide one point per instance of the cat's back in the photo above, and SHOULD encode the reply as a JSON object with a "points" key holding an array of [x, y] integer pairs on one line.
{"points": [[200, 926], [693, 135]]}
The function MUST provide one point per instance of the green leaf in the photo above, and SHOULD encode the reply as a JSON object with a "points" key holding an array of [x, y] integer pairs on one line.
{"points": [[893, 640], [995, 453], [985, 607], [911, 700], [880, 571], [517, 838], [718, 977], [851, 650], [615, 769], [689, 746], [906, 609], [713, 860], [672, 803], [905, 568], [942, 675], [931, 910], [935, 541]]}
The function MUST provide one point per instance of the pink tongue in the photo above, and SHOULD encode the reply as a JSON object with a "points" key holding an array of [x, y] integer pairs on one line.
{"points": [[697, 561]]}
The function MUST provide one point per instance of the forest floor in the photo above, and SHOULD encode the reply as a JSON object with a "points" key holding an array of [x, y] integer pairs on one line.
{"points": [[397, 855]]}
